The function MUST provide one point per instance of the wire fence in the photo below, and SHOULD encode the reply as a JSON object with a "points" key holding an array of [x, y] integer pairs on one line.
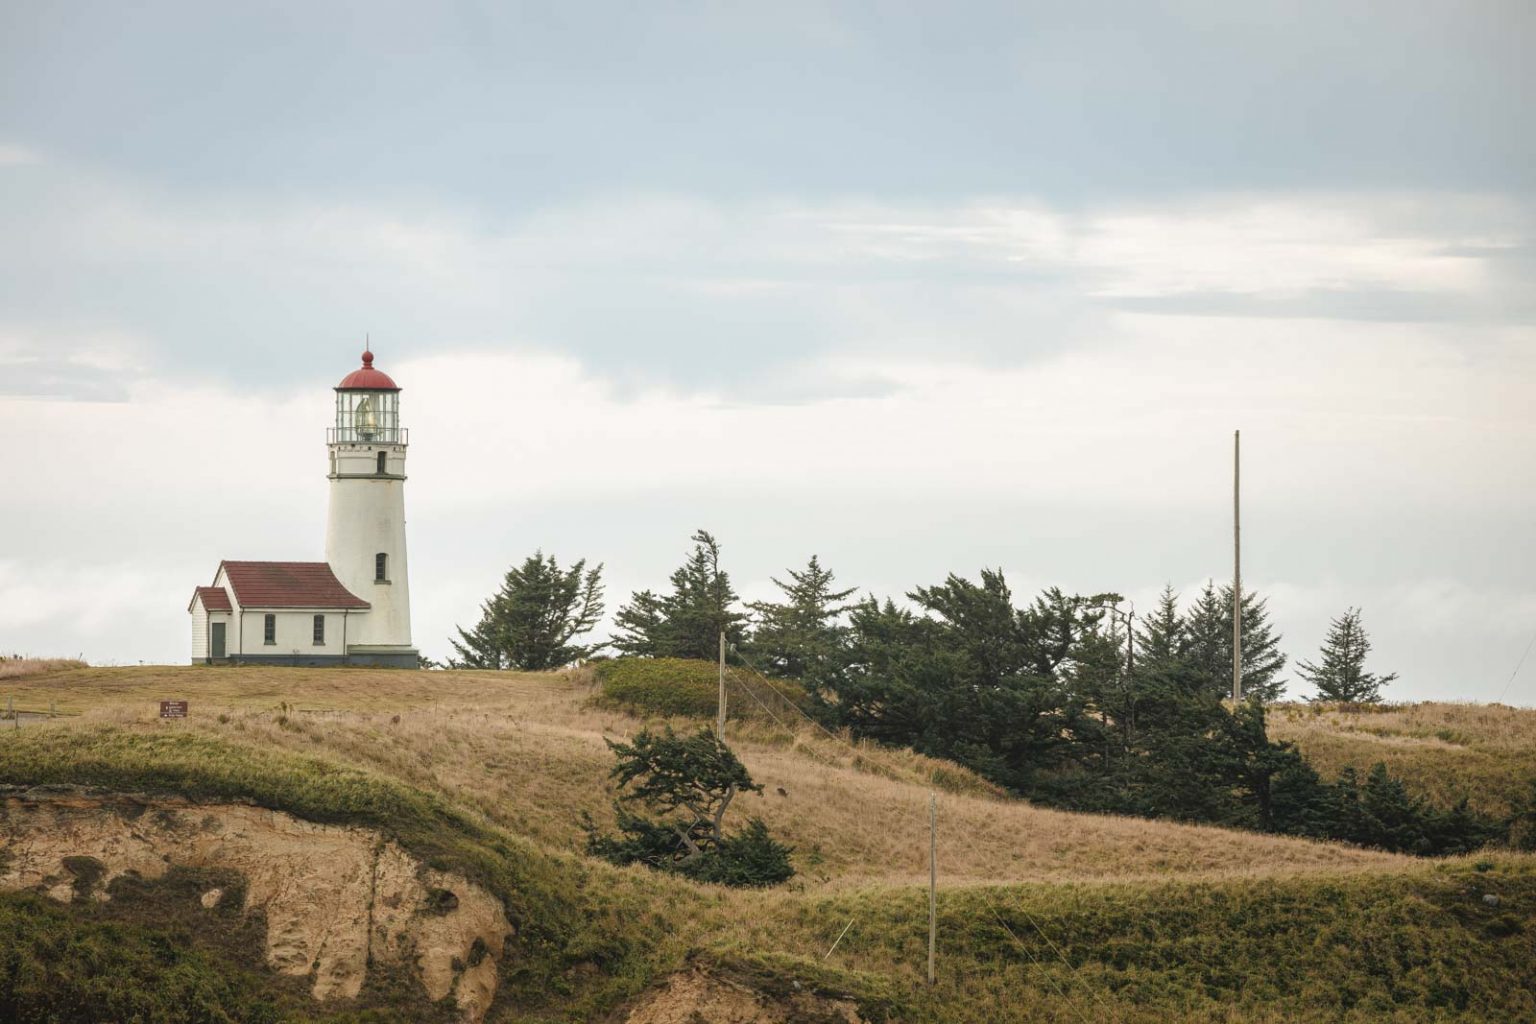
{"points": [[18, 715], [787, 722]]}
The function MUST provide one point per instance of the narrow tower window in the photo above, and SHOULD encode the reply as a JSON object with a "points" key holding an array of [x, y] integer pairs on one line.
{"points": [[269, 629], [381, 568], [319, 630], [383, 462]]}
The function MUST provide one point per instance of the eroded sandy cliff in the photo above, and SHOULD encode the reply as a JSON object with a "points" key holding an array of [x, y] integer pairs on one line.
{"points": [[336, 899]]}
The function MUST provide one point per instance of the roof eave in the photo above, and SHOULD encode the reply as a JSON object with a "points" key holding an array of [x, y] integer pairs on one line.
{"points": [[306, 607]]}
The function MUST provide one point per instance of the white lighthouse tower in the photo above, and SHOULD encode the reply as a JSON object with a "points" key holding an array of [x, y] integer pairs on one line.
{"points": [[365, 524]]}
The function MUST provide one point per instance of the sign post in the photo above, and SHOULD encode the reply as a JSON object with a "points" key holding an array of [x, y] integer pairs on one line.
{"points": [[173, 709]]}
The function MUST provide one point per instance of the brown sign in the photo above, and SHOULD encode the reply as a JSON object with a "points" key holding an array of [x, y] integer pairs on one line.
{"points": [[173, 709]]}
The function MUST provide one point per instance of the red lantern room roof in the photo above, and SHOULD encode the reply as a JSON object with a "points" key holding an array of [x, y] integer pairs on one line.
{"points": [[367, 378]]}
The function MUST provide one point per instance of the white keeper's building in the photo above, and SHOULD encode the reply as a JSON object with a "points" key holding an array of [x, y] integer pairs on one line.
{"points": [[354, 608]]}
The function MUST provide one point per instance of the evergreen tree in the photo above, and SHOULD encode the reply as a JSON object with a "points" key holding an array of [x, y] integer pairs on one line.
{"points": [[640, 627], [531, 621], [894, 665], [1341, 676], [1276, 790], [802, 637], [1208, 629], [1163, 637], [1389, 817], [976, 679], [686, 623], [1167, 750], [1042, 700]]}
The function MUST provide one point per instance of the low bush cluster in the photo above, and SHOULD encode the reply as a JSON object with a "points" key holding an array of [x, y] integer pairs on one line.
{"points": [[687, 784], [682, 687]]}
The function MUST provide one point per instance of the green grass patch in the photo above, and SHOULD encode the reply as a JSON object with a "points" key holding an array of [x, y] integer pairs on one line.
{"points": [[75, 965], [1416, 946], [684, 688]]}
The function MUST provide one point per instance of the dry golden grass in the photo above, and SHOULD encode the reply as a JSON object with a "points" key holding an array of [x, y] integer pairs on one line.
{"points": [[15, 666], [1119, 919], [528, 752], [1485, 752]]}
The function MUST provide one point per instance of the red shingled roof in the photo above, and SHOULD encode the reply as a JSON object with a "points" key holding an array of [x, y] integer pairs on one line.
{"points": [[215, 599], [288, 585]]}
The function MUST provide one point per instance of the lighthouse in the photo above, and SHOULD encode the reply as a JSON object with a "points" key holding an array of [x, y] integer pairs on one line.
{"points": [[355, 607], [365, 523]]}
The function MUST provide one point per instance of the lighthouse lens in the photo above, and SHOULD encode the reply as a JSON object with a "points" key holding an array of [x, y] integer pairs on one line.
{"points": [[364, 420]]}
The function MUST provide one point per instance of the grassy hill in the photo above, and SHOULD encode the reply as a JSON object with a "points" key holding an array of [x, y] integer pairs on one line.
{"points": [[1484, 752], [1044, 915]]}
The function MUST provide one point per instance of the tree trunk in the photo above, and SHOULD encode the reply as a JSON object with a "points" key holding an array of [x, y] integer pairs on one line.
{"points": [[720, 813]]}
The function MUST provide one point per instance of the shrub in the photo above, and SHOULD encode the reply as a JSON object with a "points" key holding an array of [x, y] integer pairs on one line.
{"points": [[750, 858], [686, 688], [688, 783]]}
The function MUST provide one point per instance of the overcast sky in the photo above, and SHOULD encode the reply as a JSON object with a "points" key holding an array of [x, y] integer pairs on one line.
{"points": [[916, 287]]}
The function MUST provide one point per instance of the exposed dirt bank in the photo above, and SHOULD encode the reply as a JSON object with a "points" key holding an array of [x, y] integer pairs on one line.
{"points": [[693, 996], [337, 900]]}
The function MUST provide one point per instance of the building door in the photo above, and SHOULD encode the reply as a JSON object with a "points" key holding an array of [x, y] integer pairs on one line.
{"points": [[217, 639]]}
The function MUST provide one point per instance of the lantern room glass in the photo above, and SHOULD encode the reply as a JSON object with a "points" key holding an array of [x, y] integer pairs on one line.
{"points": [[368, 416]]}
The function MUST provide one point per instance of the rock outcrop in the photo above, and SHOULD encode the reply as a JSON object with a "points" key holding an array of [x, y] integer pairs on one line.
{"points": [[337, 900]]}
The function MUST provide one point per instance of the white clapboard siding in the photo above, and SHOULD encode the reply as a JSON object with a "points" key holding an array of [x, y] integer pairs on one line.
{"points": [[199, 629]]}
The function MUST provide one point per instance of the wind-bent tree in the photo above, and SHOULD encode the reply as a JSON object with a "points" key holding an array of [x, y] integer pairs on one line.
{"points": [[1208, 643], [685, 785], [1340, 674], [802, 637], [686, 623], [532, 621]]}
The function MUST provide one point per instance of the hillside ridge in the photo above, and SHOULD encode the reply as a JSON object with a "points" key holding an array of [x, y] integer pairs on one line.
{"points": [[486, 774]]}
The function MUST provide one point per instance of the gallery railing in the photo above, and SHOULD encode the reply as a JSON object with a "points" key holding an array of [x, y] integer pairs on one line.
{"points": [[362, 435]]}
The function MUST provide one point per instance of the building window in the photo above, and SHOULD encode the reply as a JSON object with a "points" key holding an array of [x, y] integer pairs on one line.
{"points": [[381, 568], [319, 630], [269, 629], [383, 462]]}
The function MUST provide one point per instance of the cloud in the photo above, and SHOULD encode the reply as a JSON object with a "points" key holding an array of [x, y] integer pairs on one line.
{"points": [[919, 292], [92, 366], [732, 299], [1258, 253], [1096, 469]]}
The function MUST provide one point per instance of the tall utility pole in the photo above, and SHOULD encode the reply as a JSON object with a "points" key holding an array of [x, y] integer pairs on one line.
{"points": [[720, 713], [1237, 569]]}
